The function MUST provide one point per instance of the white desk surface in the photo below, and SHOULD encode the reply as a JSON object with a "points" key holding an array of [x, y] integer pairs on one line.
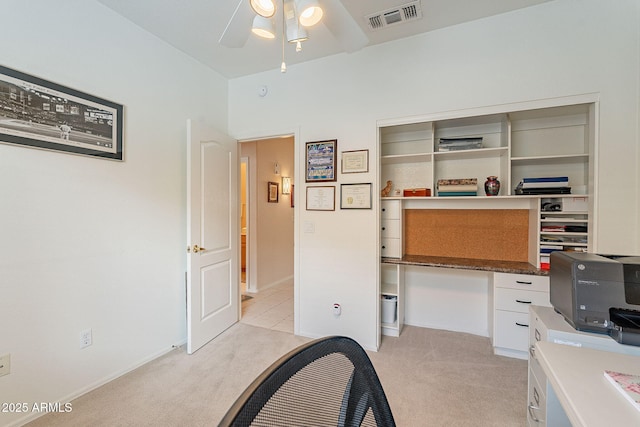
{"points": [[577, 376]]}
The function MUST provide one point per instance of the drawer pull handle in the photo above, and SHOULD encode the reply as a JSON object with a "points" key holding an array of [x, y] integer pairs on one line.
{"points": [[531, 408], [522, 324], [523, 302], [521, 282], [532, 351]]}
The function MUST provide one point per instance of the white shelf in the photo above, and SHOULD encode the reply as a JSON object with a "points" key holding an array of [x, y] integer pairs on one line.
{"points": [[405, 158], [390, 289], [555, 158]]}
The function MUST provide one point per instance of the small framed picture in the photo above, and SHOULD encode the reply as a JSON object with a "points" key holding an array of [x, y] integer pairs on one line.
{"points": [[321, 161], [355, 196], [321, 198], [355, 161], [272, 191]]}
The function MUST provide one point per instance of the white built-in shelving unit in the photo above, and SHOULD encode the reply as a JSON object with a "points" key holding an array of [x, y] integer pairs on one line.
{"points": [[537, 139]]}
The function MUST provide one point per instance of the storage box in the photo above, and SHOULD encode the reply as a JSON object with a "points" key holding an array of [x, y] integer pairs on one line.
{"points": [[417, 192], [574, 204]]}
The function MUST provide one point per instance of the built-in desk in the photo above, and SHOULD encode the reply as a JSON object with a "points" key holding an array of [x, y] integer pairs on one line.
{"points": [[468, 264], [576, 375], [482, 297]]}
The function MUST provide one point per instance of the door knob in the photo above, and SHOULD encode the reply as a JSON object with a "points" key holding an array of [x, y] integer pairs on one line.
{"points": [[197, 249]]}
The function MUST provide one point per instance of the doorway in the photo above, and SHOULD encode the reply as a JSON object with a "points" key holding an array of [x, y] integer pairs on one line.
{"points": [[266, 227], [244, 230]]}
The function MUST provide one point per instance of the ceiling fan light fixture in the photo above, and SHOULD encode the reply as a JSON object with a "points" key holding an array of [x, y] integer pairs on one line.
{"points": [[296, 34], [264, 27], [264, 8], [309, 11]]}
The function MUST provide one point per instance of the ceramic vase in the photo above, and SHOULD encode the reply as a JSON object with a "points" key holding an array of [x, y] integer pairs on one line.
{"points": [[492, 186]]}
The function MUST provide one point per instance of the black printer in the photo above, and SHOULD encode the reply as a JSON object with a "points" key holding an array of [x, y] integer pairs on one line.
{"points": [[598, 293]]}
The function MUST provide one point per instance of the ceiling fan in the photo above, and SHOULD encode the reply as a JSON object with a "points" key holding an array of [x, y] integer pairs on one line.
{"points": [[258, 17]]}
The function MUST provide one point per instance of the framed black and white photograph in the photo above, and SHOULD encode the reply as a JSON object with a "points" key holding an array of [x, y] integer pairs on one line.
{"points": [[321, 198], [355, 196], [321, 160], [355, 161], [40, 114], [272, 189]]}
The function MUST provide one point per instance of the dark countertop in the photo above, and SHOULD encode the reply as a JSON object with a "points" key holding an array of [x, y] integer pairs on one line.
{"points": [[512, 267]]}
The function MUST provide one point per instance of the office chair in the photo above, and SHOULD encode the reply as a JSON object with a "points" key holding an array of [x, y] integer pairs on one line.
{"points": [[326, 382]]}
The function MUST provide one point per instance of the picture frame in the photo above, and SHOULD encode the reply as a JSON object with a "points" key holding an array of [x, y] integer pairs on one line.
{"points": [[355, 196], [321, 198], [356, 161], [321, 161], [40, 114], [272, 192]]}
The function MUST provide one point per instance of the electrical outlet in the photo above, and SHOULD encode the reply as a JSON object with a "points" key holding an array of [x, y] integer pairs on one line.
{"points": [[85, 338], [5, 364]]}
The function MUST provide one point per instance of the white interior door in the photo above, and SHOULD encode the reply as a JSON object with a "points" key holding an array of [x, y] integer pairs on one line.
{"points": [[212, 232]]}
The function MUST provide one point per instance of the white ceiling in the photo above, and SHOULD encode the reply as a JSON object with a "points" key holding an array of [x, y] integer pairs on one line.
{"points": [[195, 26]]}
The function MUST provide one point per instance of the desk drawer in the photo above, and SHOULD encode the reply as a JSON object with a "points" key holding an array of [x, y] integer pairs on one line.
{"points": [[390, 228], [521, 281], [519, 300], [390, 209], [391, 248], [536, 402], [511, 330]]}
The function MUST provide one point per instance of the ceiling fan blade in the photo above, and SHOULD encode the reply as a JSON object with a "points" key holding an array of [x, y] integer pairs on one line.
{"points": [[237, 31], [343, 27]]}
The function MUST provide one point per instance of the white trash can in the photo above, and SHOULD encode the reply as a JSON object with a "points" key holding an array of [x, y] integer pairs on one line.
{"points": [[389, 308]]}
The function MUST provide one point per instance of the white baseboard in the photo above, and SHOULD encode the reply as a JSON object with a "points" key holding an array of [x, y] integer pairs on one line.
{"points": [[84, 390]]}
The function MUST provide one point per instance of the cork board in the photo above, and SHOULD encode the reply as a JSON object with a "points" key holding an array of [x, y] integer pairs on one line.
{"points": [[498, 234]]}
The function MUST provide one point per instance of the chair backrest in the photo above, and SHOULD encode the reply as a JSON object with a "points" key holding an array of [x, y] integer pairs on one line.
{"points": [[327, 382]]}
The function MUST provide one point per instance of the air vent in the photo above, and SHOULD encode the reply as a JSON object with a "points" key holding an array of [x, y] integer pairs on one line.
{"points": [[408, 12]]}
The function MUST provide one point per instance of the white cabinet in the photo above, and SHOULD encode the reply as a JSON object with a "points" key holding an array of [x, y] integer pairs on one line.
{"points": [[546, 325], [391, 229], [512, 296]]}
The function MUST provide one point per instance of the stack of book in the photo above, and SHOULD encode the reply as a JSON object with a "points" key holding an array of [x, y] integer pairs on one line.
{"points": [[458, 187], [454, 144], [544, 185]]}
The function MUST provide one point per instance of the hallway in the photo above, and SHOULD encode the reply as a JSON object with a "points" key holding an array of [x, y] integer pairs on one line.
{"points": [[271, 308]]}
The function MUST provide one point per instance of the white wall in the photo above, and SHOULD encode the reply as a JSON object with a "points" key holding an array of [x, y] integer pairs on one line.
{"points": [[89, 243], [560, 48]]}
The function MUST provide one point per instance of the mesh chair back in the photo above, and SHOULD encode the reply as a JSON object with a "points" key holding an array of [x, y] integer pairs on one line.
{"points": [[327, 382]]}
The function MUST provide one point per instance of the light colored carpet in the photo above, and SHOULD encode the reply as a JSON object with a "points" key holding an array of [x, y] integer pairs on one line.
{"points": [[431, 378]]}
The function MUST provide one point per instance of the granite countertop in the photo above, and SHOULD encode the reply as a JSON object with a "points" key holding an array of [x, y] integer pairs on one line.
{"points": [[468, 264]]}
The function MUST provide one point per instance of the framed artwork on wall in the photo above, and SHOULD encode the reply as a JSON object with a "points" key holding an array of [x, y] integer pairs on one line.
{"points": [[40, 114], [355, 196], [321, 198], [321, 161], [272, 191], [355, 161]]}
